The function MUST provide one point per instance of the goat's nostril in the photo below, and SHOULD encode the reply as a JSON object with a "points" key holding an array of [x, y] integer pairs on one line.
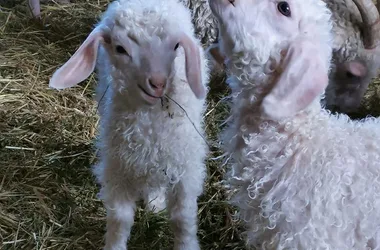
{"points": [[232, 2], [350, 75], [151, 84]]}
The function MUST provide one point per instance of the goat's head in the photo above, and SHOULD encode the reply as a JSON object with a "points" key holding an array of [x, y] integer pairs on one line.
{"points": [[142, 55], [296, 32], [356, 54]]}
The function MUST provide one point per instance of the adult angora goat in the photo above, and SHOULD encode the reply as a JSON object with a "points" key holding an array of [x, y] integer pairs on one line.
{"points": [[303, 178]]}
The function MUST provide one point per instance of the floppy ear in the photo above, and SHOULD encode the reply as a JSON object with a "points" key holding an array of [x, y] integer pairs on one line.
{"points": [[193, 66], [214, 51], [304, 77], [82, 63]]}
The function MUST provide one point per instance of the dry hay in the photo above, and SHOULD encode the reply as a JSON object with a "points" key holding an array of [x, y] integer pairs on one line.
{"points": [[47, 192]]}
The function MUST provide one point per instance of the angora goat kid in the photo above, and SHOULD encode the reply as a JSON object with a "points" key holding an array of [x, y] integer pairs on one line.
{"points": [[148, 147], [301, 177]]}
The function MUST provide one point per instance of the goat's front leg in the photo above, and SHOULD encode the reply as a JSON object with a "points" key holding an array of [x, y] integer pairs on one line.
{"points": [[35, 8], [119, 199], [120, 219], [183, 212]]}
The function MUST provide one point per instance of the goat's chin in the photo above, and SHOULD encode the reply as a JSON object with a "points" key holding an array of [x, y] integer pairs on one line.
{"points": [[150, 99]]}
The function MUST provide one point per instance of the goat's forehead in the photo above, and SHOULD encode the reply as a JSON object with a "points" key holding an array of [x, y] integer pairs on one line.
{"points": [[146, 36], [143, 27], [148, 44], [143, 35], [246, 10], [261, 16]]}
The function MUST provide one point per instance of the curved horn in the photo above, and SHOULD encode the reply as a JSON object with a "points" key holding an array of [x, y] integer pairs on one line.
{"points": [[371, 22]]}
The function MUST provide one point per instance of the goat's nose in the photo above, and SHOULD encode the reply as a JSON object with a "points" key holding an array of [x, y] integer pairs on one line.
{"points": [[157, 82], [355, 69]]}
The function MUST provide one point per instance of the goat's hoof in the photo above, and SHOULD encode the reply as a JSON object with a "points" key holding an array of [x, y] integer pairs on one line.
{"points": [[188, 245]]}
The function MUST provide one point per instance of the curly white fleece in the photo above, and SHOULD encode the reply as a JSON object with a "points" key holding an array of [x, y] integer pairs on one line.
{"points": [[311, 182], [146, 151], [307, 182], [206, 27]]}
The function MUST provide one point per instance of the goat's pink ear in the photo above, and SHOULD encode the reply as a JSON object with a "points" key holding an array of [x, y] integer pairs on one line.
{"points": [[304, 76], [81, 64], [215, 53], [193, 67]]}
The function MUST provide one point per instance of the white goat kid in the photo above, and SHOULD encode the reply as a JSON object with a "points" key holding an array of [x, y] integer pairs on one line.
{"points": [[301, 177], [148, 147]]}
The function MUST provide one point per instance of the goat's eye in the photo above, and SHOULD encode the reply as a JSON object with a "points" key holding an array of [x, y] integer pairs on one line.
{"points": [[284, 8], [176, 46], [120, 49]]}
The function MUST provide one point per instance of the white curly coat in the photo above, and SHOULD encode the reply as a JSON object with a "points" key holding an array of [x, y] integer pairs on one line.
{"points": [[309, 181], [150, 152]]}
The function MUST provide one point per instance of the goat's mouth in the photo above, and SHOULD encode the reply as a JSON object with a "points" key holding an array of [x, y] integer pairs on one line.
{"points": [[149, 97]]}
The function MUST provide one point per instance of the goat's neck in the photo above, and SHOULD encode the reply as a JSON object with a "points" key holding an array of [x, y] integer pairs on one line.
{"points": [[249, 84], [248, 91]]}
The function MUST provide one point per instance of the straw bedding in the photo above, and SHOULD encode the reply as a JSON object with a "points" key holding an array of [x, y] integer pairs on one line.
{"points": [[47, 192]]}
